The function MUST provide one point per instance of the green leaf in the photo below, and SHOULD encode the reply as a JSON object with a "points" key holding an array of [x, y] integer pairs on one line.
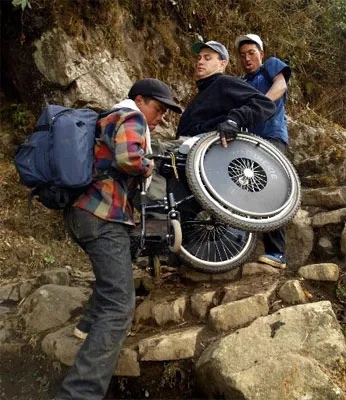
{"points": [[21, 3]]}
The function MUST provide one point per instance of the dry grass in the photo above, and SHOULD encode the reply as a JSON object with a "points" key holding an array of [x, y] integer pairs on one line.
{"points": [[309, 35], [33, 238]]}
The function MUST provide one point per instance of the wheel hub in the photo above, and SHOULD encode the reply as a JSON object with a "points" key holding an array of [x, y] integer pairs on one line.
{"points": [[247, 175]]}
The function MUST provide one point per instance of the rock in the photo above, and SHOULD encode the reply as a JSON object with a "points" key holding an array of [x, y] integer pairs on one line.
{"points": [[144, 311], [5, 332], [51, 306], [320, 272], [299, 239], [138, 276], [196, 276], [63, 346], [238, 313], [330, 198], [250, 287], [291, 292], [56, 276], [148, 283], [177, 345], [17, 291], [343, 241], [4, 310], [255, 268], [128, 364], [170, 311], [201, 303], [251, 364], [13, 349], [330, 217], [95, 79], [6, 144], [322, 167], [325, 248]]}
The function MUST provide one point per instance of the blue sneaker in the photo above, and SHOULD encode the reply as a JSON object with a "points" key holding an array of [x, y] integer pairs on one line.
{"points": [[276, 260]]}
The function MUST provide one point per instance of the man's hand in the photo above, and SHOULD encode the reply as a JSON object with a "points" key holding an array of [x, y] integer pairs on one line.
{"points": [[228, 131]]}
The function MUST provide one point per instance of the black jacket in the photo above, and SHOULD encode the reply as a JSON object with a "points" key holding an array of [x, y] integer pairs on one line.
{"points": [[222, 97]]}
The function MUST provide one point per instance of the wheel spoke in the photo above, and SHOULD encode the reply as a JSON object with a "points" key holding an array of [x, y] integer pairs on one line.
{"points": [[212, 241], [247, 174]]}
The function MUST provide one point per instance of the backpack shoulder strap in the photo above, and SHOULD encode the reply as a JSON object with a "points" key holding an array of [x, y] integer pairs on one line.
{"points": [[41, 128]]}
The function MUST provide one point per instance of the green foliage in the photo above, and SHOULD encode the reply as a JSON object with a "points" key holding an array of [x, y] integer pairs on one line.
{"points": [[172, 375], [338, 14], [310, 35], [307, 34], [21, 118], [49, 259], [21, 3]]}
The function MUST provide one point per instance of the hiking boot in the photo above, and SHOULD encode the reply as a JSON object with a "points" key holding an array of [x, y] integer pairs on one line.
{"points": [[82, 329], [276, 260]]}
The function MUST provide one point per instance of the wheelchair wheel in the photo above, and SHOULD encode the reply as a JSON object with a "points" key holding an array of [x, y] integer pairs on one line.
{"points": [[174, 235], [154, 266], [212, 246], [250, 184]]}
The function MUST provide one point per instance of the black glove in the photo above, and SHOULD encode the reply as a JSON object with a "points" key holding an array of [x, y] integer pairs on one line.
{"points": [[228, 130]]}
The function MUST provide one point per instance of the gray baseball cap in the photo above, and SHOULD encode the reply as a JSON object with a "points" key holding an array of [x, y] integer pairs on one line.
{"points": [[216, 46]]}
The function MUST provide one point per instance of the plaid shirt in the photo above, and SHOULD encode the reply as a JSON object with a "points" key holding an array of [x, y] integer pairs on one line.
{"points": [[120, 147]]}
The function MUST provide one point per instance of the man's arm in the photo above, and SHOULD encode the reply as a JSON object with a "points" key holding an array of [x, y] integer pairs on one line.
{"points": [[129, 145], [251, 106], [278, 88]]}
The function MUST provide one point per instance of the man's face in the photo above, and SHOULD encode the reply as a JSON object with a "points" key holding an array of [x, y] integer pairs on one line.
{"points": [[209, 63], [251, 58], [153, 111]]}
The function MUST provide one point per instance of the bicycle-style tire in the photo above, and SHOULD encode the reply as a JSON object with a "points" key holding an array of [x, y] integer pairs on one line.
{"points": [[212, 246], [250, 184]]}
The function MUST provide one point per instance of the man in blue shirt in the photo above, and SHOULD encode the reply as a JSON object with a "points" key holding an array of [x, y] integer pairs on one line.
{"points": [[270, 78], [221, 97]]}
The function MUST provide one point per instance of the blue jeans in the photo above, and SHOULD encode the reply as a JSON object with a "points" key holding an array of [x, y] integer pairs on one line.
{"points": [[111, 306], [274, 241]]}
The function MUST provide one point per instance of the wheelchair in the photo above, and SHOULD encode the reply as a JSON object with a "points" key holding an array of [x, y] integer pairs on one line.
{"points": [[216, 201]]}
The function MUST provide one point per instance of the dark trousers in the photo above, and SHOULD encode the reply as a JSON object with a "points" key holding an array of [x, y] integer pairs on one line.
{"points": [[111, 305], [274, 241]]}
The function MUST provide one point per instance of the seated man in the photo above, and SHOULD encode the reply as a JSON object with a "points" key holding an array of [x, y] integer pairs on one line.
{"points": [[223, 102]]}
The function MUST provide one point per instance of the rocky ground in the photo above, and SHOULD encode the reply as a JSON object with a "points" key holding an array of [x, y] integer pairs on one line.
{"points": [[33, 241]]}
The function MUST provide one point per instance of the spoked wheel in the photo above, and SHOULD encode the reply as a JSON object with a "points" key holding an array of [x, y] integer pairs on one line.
{"points": [[214, 247], [250, 184], [174, 235]]}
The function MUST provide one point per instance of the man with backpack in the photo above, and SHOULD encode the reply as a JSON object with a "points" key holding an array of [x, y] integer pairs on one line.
{"points": [[270, 78], [99, 221]]}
